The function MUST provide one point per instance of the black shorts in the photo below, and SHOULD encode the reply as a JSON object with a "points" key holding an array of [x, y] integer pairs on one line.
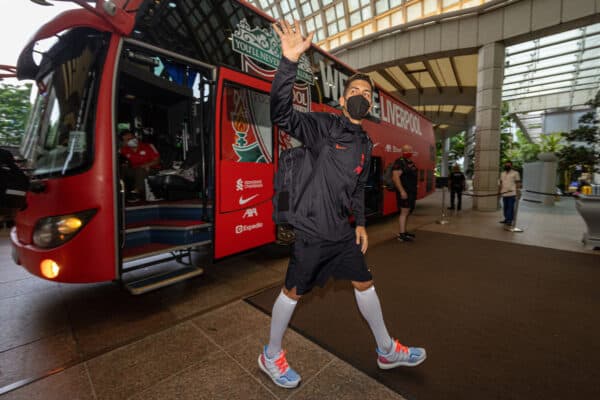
{"points": [[409, 202], [314, 261]]}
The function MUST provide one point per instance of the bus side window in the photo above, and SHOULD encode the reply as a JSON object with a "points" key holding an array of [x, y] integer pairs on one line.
{"points": [[246, 130]]}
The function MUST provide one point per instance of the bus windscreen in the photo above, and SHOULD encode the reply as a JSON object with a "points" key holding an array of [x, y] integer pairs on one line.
{"points": [[59, 135]]}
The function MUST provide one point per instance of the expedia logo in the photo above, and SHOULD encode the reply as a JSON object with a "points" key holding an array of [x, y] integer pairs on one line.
{"points": [[247, 228]]}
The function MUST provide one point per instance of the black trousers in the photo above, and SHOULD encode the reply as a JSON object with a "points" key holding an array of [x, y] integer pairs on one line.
{"points": [[134, 179], [458, 194]]}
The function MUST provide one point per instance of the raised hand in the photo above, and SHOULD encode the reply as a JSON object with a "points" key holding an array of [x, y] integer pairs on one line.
{"points": [[292, 42]]}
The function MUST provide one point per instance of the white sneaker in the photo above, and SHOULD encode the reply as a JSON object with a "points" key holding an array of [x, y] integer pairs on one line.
{"points": [[278, 369], [400, 355]]}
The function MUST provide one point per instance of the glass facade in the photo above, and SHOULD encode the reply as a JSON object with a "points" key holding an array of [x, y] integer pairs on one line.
{"points": [[560, 63], [555, 65], [337, 22]]}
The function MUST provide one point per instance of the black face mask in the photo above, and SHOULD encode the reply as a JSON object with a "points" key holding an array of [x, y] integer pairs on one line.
{"points": [[357, 106], [507, 167]]}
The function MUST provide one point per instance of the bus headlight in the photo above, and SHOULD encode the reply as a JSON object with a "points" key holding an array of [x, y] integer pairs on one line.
{"points": [[53, 231]]}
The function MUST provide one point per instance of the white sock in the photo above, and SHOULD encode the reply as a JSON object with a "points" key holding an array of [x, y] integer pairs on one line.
{"points": [[280, 318], [370, 308]]}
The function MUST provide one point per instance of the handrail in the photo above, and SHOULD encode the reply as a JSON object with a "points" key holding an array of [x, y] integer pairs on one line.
{"points": [[435, 19]]}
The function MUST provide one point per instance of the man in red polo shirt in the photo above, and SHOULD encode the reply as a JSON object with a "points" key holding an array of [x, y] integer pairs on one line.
{"points": [[139, 158]]}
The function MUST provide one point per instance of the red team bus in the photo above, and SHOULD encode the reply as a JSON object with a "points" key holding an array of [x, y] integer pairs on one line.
{"points": [[192, 77]]}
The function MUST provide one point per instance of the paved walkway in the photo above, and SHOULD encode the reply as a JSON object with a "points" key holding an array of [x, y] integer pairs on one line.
{"points": [[198, 339]]}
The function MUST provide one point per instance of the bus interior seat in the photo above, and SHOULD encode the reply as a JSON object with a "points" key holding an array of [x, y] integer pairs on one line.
{"points": [[174, 186]]}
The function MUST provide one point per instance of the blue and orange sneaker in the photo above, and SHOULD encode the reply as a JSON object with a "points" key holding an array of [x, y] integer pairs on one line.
{"points": [[278, 369], [400, 355]]}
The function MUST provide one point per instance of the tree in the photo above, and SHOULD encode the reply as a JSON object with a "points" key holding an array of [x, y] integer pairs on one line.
{"points": [[14, 109], [522, 151], [506, 142], [457, 150], [581, 154]]}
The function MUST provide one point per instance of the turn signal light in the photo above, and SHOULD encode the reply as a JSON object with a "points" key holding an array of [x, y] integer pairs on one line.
{"points": [[49, 268], [69, 225]]}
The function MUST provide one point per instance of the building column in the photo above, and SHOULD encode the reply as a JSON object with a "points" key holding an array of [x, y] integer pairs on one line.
{"points": [[490, 73], [469, 136], [596, 176], [445, 153]]}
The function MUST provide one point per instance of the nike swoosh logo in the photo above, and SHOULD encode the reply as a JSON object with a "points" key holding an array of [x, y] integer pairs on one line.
{"points": [[376, 144], [244, 201], [337, 146]]}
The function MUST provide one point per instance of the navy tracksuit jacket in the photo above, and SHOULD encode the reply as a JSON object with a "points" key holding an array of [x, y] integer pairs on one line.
{"points": [[337, 189]]}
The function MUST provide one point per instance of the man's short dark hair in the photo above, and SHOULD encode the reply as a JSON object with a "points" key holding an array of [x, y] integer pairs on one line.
{"points": [[358, 77]]}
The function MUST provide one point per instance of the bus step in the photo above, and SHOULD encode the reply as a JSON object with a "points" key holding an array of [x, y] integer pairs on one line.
{"points": [[145, 250], [167, 224], [161, 280]]}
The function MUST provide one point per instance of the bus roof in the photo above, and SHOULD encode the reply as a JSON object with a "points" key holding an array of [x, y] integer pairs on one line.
{"points": [[232, 33], [217, 32]]}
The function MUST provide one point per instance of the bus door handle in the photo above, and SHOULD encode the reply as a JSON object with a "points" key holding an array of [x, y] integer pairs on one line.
{"points": [[123, 212]]}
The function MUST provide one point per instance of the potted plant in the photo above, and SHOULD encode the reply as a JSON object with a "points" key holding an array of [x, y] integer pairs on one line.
{"points": [[550, 145]]}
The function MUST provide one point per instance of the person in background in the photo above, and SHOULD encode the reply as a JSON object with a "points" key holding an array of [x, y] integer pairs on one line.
{"points": [[405, 174], [138, 159], [509, 185], [457, 184]]}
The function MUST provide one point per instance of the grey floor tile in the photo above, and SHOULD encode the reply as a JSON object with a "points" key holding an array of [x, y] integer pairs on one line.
{"points": [[304, 356], [9, 271], [130, 369], [340, 381], [214, 378], [207, 295], [271, 256], [30, 317], [558, 226], [25, 286], [35, 359], [107, 316], [251, 278], [247, 273], [280, 267], [234, 322], [71, 384]]}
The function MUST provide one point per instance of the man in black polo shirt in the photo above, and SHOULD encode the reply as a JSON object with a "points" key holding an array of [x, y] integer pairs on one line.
{"points": [[457, 183], [405, 175], [326, 244]]}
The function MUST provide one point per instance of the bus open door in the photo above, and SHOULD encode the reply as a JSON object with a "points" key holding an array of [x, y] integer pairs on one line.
{"points": [[245, 163]]}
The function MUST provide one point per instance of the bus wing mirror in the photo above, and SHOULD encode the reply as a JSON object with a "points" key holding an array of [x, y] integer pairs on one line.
{"points": [[26, 66], [41, 2]]}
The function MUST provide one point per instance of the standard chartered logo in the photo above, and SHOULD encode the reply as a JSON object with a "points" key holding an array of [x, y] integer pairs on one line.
{"points": [[241, 185]]}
